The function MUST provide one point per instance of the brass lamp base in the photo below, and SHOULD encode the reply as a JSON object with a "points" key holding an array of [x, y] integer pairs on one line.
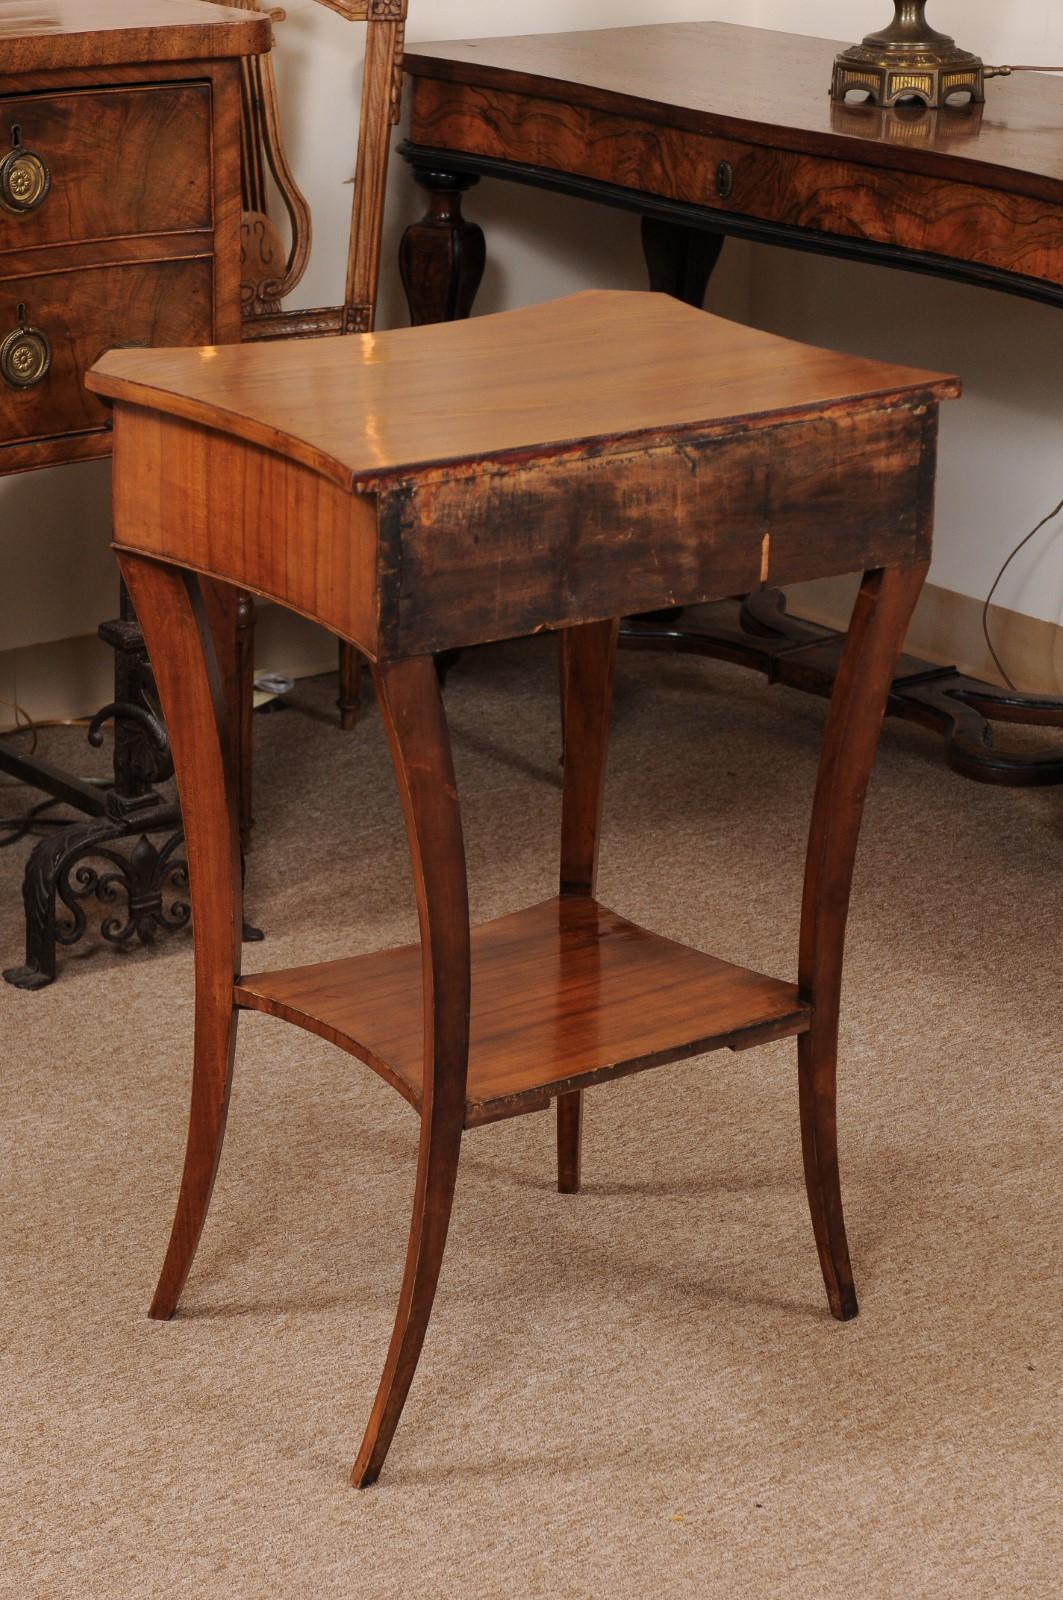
{"points": [[907, 61]]}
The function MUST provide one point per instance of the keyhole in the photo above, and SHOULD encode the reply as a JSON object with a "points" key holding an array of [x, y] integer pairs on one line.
{"points": [[21, 314], [16, 136]]}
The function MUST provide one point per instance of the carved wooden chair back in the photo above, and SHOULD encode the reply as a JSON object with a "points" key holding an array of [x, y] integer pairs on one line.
{"points": [[269, 274]]}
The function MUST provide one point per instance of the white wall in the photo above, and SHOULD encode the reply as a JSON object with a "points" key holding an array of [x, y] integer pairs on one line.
{"points": [[539, 246], [999, 463]]}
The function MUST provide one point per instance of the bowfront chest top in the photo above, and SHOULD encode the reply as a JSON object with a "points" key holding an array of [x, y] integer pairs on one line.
{"points": [[120, 200]]}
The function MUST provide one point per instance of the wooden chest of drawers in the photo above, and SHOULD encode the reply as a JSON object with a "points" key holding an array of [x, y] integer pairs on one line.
{"points": [[120, 200]]}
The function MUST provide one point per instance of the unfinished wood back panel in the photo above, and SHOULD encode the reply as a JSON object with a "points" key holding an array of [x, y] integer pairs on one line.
{"points": [[250, 517], [499, 551]]}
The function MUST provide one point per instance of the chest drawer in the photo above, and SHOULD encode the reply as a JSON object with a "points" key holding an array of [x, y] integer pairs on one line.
{"points": [[81, 314], [103, 164]]}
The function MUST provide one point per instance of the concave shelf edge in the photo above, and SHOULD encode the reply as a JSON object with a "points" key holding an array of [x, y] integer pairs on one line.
{"points": [[565, 995]]}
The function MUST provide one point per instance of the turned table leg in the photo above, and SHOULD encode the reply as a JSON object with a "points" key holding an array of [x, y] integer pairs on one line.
{"points": [[412, 709], [880, 620], [588, 662], [442, 257], [680, 260], [177, 624]]}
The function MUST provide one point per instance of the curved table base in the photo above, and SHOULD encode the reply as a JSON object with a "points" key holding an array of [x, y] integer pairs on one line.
{"points": [[758, 632]]}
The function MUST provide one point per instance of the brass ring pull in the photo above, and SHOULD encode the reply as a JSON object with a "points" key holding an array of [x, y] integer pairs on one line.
{"points": [[24, 180], [25, 358]]}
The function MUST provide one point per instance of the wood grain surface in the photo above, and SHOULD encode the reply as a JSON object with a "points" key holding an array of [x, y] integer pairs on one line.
{"points": [[163, 136], [595, 366], [88, 311], [186, 495], [564, 995], [980, 223], [178, 629], [771, 88], [50, 35]]}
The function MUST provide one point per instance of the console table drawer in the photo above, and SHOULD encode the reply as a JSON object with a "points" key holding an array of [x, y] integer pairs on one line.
{"points": [[70, 318], [808, 194], [102, 164]]}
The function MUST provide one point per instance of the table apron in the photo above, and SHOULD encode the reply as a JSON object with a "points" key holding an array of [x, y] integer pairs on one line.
{"points": [[501, 549], [968, 232]]}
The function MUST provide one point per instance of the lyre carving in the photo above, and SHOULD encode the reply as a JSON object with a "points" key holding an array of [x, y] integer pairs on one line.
{"points": [[268, 273]]}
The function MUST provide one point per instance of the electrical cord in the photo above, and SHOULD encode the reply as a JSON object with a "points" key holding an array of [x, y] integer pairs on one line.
{"points": [[15, 829], [24, 723], [996, 585]]}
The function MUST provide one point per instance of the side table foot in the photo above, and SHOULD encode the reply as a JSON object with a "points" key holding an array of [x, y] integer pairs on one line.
{"points": [[349, 696], [411, 707], [569, 1142], [174, 608], [880, 620], [588, 668]]}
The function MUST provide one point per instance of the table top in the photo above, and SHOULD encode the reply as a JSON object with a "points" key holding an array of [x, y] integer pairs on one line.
{"points": [[772, 87], [39, 35], [595, 366]]}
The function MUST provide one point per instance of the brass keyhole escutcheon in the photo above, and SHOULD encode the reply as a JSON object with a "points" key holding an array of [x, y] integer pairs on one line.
{"points": [[25, 358], [725, 180], [24, 180]]}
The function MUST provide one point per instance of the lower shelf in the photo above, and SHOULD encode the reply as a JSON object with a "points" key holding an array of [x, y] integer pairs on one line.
{"points": [[564, 995]]}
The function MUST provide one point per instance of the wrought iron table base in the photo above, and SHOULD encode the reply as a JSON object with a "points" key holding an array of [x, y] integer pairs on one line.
{"points": [[147, 887], [141, 892]]}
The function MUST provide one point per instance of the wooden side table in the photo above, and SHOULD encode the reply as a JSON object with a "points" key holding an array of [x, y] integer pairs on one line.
{"points": [[120, 208], [429, 489]]}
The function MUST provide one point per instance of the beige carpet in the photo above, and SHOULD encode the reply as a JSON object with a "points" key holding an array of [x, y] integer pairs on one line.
{"points": [[630, 1394]]}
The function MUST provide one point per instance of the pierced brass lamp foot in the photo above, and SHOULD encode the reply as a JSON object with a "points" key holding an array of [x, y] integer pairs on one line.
{"points": [[909, 60]]}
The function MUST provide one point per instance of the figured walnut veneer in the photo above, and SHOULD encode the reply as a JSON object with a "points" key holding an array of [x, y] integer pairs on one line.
{"points": [[134, 107], [161, 134], [738, 121]]}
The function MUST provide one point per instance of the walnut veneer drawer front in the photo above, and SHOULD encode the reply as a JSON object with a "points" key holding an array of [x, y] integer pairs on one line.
{"points": [[104, 164], [70, 318], [1007, 231]]}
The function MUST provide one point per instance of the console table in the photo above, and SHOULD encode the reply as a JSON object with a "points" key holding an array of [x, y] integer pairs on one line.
{"points": [[120, 213], [708, 130]]}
